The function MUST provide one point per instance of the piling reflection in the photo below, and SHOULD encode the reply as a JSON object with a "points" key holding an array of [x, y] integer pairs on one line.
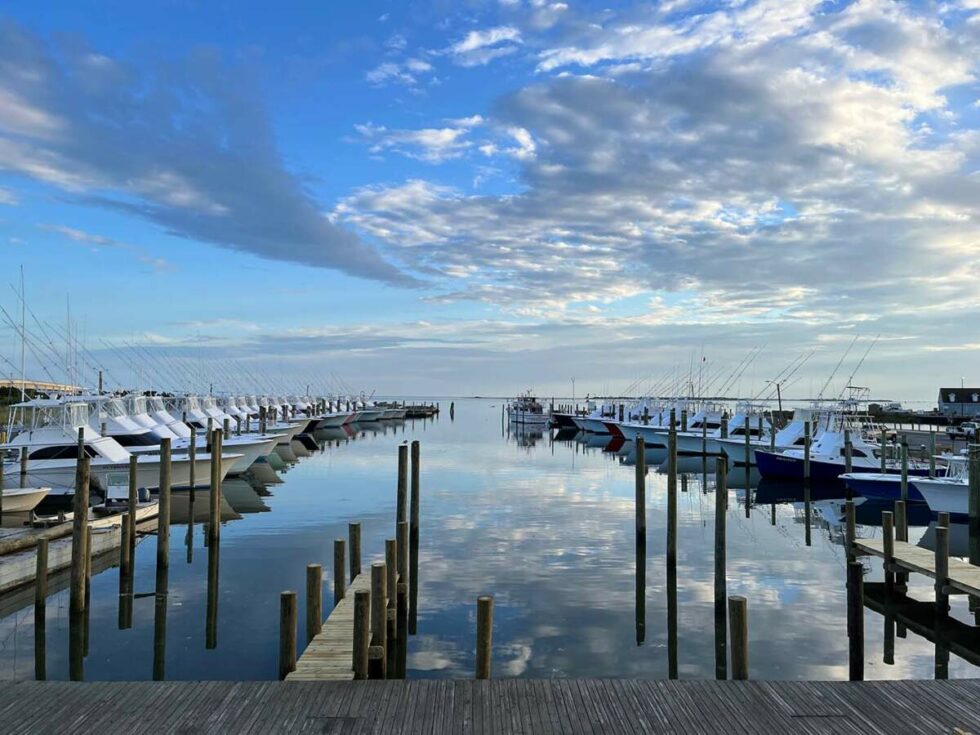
{"points": [[76, 645], [40, 640], [211, 609], [641, 588]]}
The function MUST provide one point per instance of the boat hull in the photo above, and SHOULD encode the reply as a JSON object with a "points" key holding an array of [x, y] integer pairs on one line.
{"points": [[944, 496], [787, 467], [877, 486]]}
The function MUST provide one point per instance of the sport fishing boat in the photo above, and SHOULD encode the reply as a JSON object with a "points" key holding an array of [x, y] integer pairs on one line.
{"points": [[595, 420], [789, 437], [49, 429], [827, 460], [697, 442], [526, 410], [949, 494]]}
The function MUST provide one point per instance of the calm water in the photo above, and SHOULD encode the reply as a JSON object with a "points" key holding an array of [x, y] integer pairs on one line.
{"points": [[544, 525]]}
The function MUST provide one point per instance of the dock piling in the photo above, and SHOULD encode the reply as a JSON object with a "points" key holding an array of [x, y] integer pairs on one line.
{"points": [[163, 516], [641, 486], [339, 571], [888, 548], [739, 621], [402, 496], [287, 633], [672, 492], [354, 539], [721, 579], [379, 619], [314, 600], [214, 509], [362, 633], [40, 610], [484, 635], [79, 535]]}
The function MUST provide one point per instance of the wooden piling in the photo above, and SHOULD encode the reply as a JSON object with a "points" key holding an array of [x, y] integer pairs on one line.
{"points": [[932, 452], [23, 466], [901, 534], [905, 468], [641, 486], [721, 576], [739, 622], [354, 540], [484, 635], [883, 450], [401, 544], [402, 496], [40, 610], [163, 516], [724, 427], [362, 633], [683, 419], [226, 428], [79, 535], [130, 519], [855, 620], [192, 458], [287, 633], [748, 448], [214, 510], [973, 502], [314, 601], [379, 615], [339, 571], [848, 451], [850, 530]]}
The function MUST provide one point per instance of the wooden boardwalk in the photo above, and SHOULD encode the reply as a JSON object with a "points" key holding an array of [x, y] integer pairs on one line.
{"points": [[500, 706], [963, 576], [330, 655]]}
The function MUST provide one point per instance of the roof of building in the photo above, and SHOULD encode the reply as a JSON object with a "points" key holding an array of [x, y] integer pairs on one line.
{"points": [[959, 395]]}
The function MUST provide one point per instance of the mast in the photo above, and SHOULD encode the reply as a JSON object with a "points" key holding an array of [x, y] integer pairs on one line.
{"points": [[23, 336]]}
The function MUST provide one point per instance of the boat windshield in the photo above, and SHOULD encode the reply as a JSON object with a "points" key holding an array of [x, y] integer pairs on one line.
{"points": [[115, 409], [139, 404], [156, 403]]}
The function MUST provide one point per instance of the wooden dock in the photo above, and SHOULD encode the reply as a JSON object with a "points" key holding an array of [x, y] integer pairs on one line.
{"points": [[329, 656], [18, 568], [499, 706], [963, 577]]}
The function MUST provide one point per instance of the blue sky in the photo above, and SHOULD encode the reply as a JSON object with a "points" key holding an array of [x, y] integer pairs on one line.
{"points": [[477, 197]]}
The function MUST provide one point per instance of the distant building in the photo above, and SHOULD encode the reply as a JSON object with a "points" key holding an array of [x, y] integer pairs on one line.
{"points": [[959, 401]]}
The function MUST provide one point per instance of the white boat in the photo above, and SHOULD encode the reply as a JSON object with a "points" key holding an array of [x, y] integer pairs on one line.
{"points": [[526, 410], [791, 436], [50, 433], [949, 494], [23, 499]]}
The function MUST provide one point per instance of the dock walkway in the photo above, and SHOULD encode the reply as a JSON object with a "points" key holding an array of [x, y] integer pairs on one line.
{"points": [[330, 654], [19, 568], [497, 706], [963, 576]]}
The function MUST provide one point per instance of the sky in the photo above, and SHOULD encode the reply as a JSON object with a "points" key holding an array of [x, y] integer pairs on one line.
{"points": [[477, 197]]}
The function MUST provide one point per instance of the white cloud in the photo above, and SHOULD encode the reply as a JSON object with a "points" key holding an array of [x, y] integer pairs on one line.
{"points": [[433, 145], [8, 197], [405, 72], [482, 46]]}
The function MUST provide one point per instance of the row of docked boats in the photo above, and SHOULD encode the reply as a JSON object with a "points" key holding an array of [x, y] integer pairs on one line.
{"points": [[45, 437], [837, 443]]}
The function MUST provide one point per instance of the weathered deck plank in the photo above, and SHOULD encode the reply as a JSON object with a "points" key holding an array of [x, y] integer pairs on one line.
{"points": [[542, 706], [329, 656]]}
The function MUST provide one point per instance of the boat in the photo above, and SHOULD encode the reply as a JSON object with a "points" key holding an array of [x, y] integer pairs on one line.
{"points": [[790, 436], [526, 410], [949, 494], [23, 499], [827, 461]]}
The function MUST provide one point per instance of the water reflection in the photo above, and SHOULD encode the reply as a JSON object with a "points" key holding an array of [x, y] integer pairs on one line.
{"points": [[543, 521]]}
